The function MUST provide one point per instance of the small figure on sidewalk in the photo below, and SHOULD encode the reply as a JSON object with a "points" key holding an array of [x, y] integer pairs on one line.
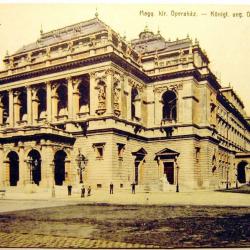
{"points": [[69, 189], [133, 187], [82, 191], [111, 188], [89, 191]]}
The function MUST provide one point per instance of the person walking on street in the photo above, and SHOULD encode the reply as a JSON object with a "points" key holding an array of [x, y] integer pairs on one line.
{"points": [[82, 191], [69, 189], [111, 188], [89, 191], [133, 187]]}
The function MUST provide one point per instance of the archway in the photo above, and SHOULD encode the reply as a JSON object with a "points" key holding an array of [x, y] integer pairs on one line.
{"points": [[83, 89], [42, 105], [13, 168], [62, 107], [23, 105], [59, 161], [169, 106], [241, 172], [135, 99], [35, 166]]}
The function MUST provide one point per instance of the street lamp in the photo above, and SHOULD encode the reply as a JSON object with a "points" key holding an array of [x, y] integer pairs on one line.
{"points": [[177, 176], [31, 167], [81, 163]]}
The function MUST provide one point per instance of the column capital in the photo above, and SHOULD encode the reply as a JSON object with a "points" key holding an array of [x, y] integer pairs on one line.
{"points": [[69, 79], [109, 71], [48, 83]]}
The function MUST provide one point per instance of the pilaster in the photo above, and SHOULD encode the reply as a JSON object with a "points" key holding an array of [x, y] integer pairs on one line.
{"points": [[93, 99], [70, 98], [11, 108], [29, 104], [23, 168], [48, 101]]}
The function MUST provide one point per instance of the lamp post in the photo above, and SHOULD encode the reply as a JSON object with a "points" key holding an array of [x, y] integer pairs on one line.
{"points": [[177, 176], [30, 164], [81, 163]]}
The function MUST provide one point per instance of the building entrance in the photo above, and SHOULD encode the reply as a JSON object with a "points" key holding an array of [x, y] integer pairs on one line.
{"points": [[35, 166], [59, 161], [169, 171], [241, 172], [13, 168]]}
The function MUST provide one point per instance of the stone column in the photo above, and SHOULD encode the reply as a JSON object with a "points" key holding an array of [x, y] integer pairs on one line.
{"points": [[48, 101], [47, 165], [35, 103], [70, 98], [158, 108], [23, 168], [76, 107], [93, 98], [6, 173], [29, 104], [54, 105], [68, 178], [17, 107], [11, 108]]}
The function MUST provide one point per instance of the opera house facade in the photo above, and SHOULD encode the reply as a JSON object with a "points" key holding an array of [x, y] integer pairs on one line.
{"points": [[83, 105]]}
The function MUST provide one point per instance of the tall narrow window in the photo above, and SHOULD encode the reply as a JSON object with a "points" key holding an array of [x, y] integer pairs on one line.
{"points": [[169, 111], [135, 102]]}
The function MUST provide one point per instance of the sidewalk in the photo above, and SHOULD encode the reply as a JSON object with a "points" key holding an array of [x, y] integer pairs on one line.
{"points": [[20, 201]]}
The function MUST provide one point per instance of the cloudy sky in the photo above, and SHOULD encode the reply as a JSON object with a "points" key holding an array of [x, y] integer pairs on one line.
{"points": [[222, 30]]}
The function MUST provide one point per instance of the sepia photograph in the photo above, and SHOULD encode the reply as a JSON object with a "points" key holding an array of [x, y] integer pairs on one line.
{"points": [[124, 125]]}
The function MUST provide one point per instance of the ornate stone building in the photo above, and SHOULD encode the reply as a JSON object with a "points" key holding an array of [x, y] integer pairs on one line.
{"points": [[82, 104]]}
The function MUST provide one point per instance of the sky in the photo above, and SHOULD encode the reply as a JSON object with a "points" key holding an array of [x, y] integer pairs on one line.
{"points": [[223, 31]]}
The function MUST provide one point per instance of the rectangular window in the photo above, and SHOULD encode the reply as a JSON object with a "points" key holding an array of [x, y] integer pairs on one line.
{"points": [[99, 149], [120, 150]]}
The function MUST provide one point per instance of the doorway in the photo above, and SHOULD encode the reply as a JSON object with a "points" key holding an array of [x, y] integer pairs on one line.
{"points": [[59, 161], [13, 168], [35, 165], [169, 171]]}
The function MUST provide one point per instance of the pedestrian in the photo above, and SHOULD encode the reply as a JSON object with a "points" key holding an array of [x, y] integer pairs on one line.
{"points": [[133, 187], [69, 189], [82, 191], [89, 191], [111, 188]]}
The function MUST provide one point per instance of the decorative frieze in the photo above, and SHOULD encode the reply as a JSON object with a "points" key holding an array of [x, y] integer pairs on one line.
{"points": [[172, 87]]}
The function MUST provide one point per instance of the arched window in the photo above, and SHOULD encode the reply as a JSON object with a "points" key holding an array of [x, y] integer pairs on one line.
{"points": [[83, 97], [42, 106], [169, 111], [62, 93], [134, 103], [23, 103]]}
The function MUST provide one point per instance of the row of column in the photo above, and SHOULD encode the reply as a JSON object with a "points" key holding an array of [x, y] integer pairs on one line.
{"points": [[122, 101]]}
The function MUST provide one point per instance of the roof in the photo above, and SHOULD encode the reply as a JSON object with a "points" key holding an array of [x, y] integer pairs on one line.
{"points": [[67, 33], [150, 42]]}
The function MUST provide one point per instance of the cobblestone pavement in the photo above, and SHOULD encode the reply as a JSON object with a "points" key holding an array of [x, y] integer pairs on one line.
{"points": [[51, 241]]}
